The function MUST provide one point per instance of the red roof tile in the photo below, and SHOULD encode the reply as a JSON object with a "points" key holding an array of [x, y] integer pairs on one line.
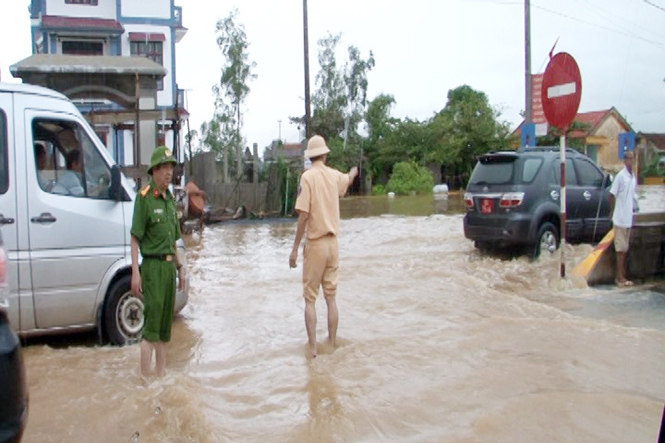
{"points": [[81, 23]]}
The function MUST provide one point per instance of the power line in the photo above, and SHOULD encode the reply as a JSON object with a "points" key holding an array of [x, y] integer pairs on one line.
{"points": [[654, 5], [614, 19], [624, 33]]}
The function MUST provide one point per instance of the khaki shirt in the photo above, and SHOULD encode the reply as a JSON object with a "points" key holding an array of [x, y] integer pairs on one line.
{"points": [[155, 223], [319, 193]]}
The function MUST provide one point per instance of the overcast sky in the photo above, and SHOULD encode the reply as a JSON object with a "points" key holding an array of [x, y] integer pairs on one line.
{"points": [[422, 48]]}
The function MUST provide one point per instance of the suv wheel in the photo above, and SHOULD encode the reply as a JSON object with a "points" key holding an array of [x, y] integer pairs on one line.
{"points": [[547, 240], [123, 313]]}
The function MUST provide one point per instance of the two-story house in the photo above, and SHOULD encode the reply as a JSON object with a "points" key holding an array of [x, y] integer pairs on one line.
{"points": [[77, 42]]}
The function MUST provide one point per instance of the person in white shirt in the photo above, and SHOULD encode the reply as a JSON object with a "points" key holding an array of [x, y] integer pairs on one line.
{"points": [[622, 198]]}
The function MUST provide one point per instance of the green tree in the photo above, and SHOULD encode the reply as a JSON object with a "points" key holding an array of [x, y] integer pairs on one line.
{"points": [[339, 101], [237, 72], [379, 126], [467, 127], [220, 135]]}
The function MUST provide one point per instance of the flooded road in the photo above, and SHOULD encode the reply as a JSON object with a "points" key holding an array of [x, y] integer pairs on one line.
{"points": [[437, 343]]}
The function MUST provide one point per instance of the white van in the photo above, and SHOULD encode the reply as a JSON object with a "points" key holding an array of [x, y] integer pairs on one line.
{"points": [[65, 214]]}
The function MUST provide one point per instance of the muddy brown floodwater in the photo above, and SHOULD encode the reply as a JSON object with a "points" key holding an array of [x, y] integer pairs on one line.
{"points": [[437, 343]]}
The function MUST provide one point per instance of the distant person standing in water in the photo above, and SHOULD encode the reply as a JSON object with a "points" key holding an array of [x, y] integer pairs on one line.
{"points": [[318, 215], [622, 198]]}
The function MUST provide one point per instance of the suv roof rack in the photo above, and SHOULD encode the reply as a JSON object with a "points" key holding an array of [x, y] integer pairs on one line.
{"points": [[543, 149]]}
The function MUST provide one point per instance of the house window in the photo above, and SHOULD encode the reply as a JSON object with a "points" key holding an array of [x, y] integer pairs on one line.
{"points": [[81, 2], [82, 48], [151, 50]]}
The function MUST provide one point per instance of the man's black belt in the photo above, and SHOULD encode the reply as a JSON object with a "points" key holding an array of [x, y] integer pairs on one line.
{"points": [[164, 257]]}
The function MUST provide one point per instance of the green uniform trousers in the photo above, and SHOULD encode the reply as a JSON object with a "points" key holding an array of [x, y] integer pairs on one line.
{"points": [[159, 280]]}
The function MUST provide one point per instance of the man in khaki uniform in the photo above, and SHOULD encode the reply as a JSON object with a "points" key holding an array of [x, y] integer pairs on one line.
{"points": [[155, 229], [318, 215]]}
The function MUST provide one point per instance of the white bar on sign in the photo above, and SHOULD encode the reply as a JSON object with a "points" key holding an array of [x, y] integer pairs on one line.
{"points": [[561, 90]]}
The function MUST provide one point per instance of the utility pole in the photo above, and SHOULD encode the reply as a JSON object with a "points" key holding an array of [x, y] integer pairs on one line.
{"points": [[527, 63], [307, 111], [279, 122]]}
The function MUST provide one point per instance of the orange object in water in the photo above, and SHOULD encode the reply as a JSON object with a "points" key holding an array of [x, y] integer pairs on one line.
{"points": [[197, 199]]}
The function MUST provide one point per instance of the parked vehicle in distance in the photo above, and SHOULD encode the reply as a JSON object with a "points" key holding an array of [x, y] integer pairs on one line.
{"points": [[13, 390], [513, 200], [66, 229]]}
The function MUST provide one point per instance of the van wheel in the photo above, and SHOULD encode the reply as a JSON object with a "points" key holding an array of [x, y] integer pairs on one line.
{"points": [[547, 240], [123, 313]]}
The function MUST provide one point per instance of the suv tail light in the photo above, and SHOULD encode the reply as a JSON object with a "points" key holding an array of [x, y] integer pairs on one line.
{"points": [[468, 200], [511, 199]]}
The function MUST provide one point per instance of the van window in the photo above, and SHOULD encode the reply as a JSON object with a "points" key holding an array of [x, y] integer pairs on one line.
{"points": [[67, 161], [4, 154]]}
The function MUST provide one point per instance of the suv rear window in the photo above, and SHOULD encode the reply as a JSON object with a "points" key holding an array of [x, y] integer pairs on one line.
{"points": [[493, 170], [498, 170]]}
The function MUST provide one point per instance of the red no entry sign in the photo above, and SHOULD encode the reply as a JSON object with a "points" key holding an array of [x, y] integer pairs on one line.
{"points": [[561, 91]]}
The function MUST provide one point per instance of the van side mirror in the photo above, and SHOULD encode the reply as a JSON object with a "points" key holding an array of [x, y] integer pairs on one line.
{"points": [[115, 190]]}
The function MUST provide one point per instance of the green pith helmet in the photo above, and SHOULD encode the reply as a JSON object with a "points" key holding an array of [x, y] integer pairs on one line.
{"points": [[161, 155]]}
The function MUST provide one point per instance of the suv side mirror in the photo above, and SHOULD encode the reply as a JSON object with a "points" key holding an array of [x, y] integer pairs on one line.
{"points": [[607, 181], [115, 190]]}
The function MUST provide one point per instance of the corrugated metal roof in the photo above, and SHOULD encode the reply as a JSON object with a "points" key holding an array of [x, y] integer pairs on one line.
{"points": [[86, 64]]}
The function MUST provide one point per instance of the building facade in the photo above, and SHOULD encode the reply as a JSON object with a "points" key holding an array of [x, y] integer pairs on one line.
{"points": [[124, 28]]}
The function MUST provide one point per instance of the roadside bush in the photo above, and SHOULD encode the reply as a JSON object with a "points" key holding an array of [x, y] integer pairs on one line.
{"points": [[379, 190], [408, 178]]}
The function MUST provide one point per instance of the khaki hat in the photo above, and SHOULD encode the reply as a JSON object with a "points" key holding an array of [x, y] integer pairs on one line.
{"points": [[316, 146], [161, 155]]}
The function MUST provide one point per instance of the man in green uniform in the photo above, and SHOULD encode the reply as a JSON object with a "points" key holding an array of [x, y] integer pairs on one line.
{"points": [[155, 229]]}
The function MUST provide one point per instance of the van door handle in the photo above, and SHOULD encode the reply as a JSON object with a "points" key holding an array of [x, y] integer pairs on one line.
{"points": [[5, 221], [587, 195], [44, 217]]}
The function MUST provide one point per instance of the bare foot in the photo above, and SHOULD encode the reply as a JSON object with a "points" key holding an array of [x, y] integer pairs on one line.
{"points": [[312, 351]]}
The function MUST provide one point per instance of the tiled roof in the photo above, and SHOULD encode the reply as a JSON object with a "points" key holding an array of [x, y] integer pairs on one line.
{"points": [[56, 22], [589, 118]]}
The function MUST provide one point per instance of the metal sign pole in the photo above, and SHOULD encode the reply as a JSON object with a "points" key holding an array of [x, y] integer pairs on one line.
{"points": [[562, 246]]}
